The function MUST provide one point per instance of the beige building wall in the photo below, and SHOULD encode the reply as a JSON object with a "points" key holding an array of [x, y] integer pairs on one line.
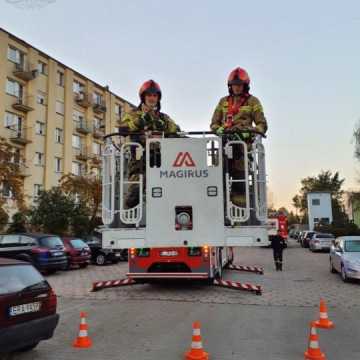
{"points": [[56, 107]]}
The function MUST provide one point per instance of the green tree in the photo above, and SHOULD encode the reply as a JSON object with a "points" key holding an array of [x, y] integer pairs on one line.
{"points": [[53, 211], [19, 222], [89, 191]]}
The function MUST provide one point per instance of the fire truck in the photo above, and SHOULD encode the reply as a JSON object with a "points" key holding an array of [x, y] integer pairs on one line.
{"points": [[278, 221], [185, 224]]}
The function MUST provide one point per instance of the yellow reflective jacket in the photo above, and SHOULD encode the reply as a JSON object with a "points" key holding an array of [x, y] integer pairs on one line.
{"points": [[139, 120], [250, 113]]}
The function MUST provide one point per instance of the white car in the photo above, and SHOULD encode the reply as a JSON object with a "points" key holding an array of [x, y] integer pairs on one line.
{"points": [[345, 257], [321, 241]]}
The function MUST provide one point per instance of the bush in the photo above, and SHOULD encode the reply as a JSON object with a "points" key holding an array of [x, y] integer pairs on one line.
{"points": [[18, 224], [348, 229]]}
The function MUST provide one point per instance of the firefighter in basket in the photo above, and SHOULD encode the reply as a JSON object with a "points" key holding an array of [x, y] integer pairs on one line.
{"points": [[236, 113], [147, 120]]}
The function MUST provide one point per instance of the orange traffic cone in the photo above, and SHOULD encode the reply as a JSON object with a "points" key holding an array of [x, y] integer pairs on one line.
{"points": [[83, 341], [196, 352], [324, 321], [313, 352]]}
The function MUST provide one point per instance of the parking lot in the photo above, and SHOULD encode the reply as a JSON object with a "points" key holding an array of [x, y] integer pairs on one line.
{"points": [[154, 321]]}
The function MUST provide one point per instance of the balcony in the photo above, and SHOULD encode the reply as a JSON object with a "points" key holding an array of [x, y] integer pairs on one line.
{"points": [[96, 159], [81, 153], [23, 170], [82, 127], [99, 107], [22, 104], [25, 71], [98, 132], [83, 99], [19, 137]]}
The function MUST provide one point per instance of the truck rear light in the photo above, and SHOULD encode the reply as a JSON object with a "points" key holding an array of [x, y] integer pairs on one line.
{"points": [[132, 253], [144, 252], [206, 251], [194, 251]]}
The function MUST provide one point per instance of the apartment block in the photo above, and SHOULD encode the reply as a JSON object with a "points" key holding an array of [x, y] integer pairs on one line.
{"points": [[54, 116]]}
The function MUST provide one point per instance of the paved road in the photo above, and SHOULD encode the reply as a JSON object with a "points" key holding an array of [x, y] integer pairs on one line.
{"points": [[154, 322]]}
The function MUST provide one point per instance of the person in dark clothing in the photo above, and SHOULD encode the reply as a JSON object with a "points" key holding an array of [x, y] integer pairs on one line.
{"points": [[278, 245]]}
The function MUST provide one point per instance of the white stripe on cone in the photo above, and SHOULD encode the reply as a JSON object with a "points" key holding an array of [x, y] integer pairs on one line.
{"points": [[323, 315], [196, 345], [314, 344], [83, 333], [196, 331]]}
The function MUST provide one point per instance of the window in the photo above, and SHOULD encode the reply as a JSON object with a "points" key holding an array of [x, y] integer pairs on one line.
{"points": [[78, 87], [6, 190], [78, 116], [59, 106], [325, 220], [97, 98], [40, 128], [118, 110], [39, 159], [60, 78], [41, 98], [96, 148], [76, 168], [98, 123], [12, 121], [14, 55], [37, 190], [76, 141], [42, 68], [315, 202], [58, 167], [316, 220], [116, 129], [13, 88], [58, 135]]}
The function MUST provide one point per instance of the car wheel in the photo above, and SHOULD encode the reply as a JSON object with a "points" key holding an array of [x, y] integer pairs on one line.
{"points": [[51, 271], [343, 274], [29, 347], [100, 259], [332, 269]]}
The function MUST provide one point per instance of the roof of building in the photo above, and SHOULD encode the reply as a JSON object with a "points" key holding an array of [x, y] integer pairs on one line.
{"points": [[104, 87]]}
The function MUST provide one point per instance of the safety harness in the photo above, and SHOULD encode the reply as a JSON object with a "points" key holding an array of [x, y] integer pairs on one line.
{"points": [[234, 108]]}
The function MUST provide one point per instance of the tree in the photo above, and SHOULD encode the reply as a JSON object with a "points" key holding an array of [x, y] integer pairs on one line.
{"points": [[4, 218], [53, 211], [89, 190], [11, 181], [325, 181], [18, 224]]}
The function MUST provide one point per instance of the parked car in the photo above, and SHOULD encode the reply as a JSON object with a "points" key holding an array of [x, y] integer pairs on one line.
{"points": [[44, 251], [321, 241], [345, 257], [100, 256], [27, 307], [77, 252], [305, 238]]}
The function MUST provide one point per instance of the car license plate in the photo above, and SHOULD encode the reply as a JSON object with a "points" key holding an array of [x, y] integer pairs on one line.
{"points": [[169, 253], [57, 254], [117, 254], [24, 308]]}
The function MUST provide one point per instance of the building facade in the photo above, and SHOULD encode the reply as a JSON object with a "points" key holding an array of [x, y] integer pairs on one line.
{"points": [[319, 208], [53, 116]]}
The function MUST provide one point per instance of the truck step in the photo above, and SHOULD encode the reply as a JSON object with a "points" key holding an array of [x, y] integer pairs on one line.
{"points": [[99, 285], [257, 289], [254, 269]]}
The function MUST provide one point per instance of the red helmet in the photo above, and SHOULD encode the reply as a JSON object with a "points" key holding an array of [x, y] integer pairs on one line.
{"points": [[238, 77], [149, 87]]}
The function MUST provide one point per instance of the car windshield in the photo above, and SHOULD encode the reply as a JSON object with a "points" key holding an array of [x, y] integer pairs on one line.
{"points": [[14, 278], [325, 236], [51, 242], [78, 244], [352, 245]]}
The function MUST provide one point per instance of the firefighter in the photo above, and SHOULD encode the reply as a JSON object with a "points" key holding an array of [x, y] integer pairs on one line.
{"points": [[239, 111], [146, 119], [278, 245]]}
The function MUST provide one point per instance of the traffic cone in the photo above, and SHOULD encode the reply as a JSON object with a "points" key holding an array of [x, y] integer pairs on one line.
{"points": [[324, 321], [196, 352], [83, 341], [313, 352]]}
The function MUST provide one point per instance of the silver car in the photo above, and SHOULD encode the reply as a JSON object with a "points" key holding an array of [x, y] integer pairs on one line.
{"points": [[345, 257], [321, 241]]}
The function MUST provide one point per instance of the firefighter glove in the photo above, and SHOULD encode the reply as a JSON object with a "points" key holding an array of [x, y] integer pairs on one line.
{"points": [[220, 131]]}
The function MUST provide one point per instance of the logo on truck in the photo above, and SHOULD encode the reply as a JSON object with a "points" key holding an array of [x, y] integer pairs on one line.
{"points": [[183, 159]]}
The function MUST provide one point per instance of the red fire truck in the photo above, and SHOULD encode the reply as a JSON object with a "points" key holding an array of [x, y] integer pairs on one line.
{"points": [[278, 221], [184, 224]]}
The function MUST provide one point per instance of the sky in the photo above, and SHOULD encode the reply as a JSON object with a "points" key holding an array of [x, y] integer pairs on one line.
{"points": [[303, 59]]}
